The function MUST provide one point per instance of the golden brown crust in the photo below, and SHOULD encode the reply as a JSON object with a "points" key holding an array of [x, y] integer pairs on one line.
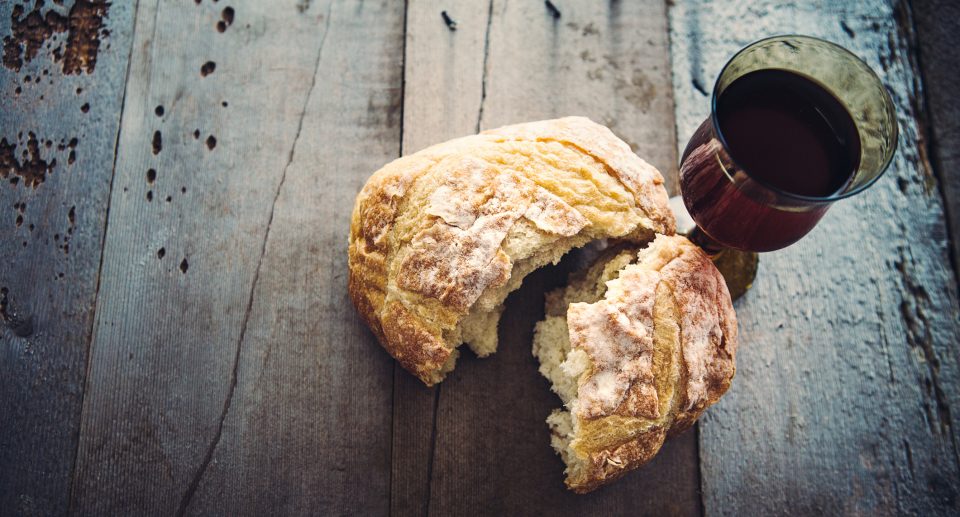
{"points": [[622, 421], [607, 465], [416, 346], [429, 232], [709, 334]]}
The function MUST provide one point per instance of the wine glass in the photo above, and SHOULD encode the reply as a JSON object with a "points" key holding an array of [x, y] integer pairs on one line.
{"points": [[796, 124]]}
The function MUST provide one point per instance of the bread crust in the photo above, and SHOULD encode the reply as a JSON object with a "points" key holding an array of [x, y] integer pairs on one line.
{"points": [[428, 231], [617, 333]]}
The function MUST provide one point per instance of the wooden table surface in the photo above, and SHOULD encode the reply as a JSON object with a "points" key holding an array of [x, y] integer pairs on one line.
{"points": [[176, 180]]}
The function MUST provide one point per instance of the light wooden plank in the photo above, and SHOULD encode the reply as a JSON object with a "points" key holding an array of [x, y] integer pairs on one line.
{"points": [[846, 395], [486, 449], [938, 53], [231, 375], [51, 233]]}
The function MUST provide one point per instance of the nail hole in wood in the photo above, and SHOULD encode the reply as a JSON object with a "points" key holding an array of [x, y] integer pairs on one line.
{"points": [[207, 68]]}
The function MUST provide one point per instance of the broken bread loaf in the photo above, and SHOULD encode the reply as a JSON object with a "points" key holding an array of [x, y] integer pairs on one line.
{"points": [[636, 346], [440, 237]]}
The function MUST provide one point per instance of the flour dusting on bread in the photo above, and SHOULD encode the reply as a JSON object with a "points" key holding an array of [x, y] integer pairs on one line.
{"points": [[636, 346]]}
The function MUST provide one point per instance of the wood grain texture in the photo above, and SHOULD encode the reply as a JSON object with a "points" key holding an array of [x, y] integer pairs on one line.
{"points": [[937, 44], [50, 244], [846, 396], [478, 444], [443, 83], [230, 374]]}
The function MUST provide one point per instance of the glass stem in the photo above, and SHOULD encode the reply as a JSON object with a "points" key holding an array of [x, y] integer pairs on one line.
{"points": [[700, 238]]}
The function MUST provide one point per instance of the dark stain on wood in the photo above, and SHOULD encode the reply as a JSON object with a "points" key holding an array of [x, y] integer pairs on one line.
{"points": [[32, 30], [21, 326], [207, 68], [919, 332], [211, 142], [32, 169], [157, 142], [226, 19]]}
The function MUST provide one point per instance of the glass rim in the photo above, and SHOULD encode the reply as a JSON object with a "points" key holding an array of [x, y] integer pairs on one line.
{"points": [[780, 192]]}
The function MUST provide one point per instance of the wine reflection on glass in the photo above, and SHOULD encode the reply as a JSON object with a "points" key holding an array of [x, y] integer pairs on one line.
{"points": [[796, 124]]}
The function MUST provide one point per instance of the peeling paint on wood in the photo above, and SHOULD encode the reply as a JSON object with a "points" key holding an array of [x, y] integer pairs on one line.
{"points": [[82, 24], [56, 164]]}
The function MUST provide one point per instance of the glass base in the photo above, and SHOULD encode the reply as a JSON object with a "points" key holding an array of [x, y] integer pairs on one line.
{"points": [[738, 268]]}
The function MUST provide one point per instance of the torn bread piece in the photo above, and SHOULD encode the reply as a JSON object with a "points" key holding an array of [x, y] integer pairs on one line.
{"points": [[636, 346], [439, 238]]}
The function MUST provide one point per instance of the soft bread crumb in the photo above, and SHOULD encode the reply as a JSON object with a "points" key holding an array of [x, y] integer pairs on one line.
{"points": [[562, 366], [551, 344], [562, 432], [551, 339]]}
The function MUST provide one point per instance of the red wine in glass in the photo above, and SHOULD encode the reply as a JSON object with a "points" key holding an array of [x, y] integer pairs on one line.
{"points": [[796, 124], [788, 134]]}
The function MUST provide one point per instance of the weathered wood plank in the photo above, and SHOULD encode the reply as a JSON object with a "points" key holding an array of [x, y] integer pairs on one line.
{"points": [[486, 448], [58, 124], [443, 76], [230, 374], [847, 392], [938, 49]]}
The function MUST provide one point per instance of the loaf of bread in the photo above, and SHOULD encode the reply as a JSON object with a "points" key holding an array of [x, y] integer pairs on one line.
{"points": [[637, 346], [440, 237]]}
